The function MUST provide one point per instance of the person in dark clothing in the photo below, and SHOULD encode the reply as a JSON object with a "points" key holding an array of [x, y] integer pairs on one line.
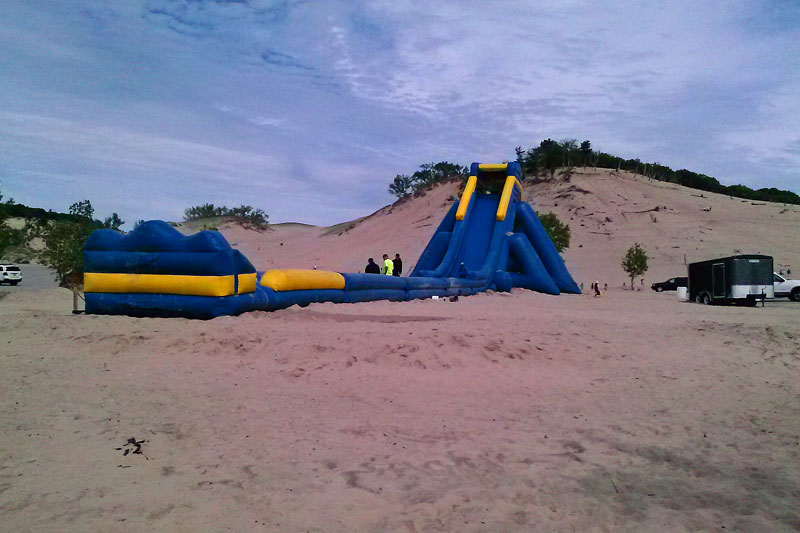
{"points": [[372, 267], [462, 271], [398, 265]]}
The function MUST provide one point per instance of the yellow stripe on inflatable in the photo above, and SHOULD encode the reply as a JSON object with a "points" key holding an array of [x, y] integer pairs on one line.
{"points": [[463, 204], [247, 283], [297, 279], [505, 198], [158, 284], [493, 167]]}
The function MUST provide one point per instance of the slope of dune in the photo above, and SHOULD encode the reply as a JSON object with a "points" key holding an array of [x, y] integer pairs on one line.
{"points": [[404, 227], [607, 212]]}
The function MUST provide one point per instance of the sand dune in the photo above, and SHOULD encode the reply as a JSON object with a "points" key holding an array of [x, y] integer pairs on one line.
{"points": [[606, 211], [498, 412]]}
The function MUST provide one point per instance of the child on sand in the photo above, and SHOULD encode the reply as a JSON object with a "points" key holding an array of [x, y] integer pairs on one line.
{"points": [[597, 289]]}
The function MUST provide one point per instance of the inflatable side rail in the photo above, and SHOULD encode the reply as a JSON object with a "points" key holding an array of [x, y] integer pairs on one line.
{"points": [[491, 239]]}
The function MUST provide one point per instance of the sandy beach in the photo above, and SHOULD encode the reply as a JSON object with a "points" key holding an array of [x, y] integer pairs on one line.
{"points": [[498, 412]]}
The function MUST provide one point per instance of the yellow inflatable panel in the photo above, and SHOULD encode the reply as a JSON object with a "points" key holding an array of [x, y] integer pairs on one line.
{"points": [[505, 198], [159, 284], [297, 279], [493, 167], [463, 204], [247, 283]]}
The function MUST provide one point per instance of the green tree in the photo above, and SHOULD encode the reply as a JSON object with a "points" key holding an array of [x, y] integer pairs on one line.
{"points": [[10, 237], [558, 231], [548, 156], [569, 151], [401, 186], [82, 209], [63, 250], [586, 152], [113, 222], [635, 261], [203, 211], [248, 216]]}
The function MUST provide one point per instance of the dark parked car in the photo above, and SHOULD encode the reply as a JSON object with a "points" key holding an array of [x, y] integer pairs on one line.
{"points": [[671, 284]]}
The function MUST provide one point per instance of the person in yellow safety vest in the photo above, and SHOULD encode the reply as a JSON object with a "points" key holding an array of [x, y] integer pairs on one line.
{"points": [[388, 266]]}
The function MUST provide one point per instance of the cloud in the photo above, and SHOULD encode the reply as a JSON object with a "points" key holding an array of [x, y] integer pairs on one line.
{"points": [[308, 109]]}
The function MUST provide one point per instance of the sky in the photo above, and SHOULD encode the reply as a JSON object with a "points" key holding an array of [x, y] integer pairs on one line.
{"points": [[308, 109]]}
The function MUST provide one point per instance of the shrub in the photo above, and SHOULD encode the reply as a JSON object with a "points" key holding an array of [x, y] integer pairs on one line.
{"points": [[558, 231]]}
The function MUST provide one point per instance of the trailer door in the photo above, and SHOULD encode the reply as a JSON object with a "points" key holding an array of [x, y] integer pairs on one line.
{"points": [[718, 280]]}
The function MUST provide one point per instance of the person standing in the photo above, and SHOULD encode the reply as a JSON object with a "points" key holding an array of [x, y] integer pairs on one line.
{"points": [[372, 267], [388, 266], [397, 265]]}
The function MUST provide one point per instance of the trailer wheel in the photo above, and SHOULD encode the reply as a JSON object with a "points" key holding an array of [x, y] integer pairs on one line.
{"points": [[795, 295], [706, 299]]}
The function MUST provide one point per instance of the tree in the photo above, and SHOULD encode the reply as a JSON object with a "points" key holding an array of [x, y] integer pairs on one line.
{"points": [[548, 155], [64, 250], [635, 262], [586, 151], [10, 237], [82, 209], [558, 231], [401, 186], [569, 149], [113, 222], [248, 216], [203, 211]]}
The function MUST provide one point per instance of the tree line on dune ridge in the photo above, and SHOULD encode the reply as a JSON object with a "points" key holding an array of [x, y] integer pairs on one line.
{"points": [[540, 161], [248, 216], [549, 155]]}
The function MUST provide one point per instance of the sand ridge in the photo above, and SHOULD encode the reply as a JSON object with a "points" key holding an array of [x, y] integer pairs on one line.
{"points": [[607, 212]]}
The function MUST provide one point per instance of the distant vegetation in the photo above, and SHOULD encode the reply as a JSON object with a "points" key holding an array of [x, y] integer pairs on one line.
{"points": [[542, 161], [248, 216], [428, 175], [64, 235], [550, 155]]}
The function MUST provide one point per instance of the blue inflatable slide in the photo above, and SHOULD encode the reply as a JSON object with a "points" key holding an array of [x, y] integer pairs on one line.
{"points": [[491, 239]]}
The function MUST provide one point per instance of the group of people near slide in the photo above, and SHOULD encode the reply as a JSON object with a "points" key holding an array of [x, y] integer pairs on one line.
{"points": [[391, 267]]}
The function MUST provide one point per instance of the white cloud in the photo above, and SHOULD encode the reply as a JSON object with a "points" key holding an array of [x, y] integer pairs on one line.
{"points": [[308, 109]]}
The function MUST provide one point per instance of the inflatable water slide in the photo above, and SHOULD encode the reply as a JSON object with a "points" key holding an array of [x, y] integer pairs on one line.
{"points": [[490, 240]]}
